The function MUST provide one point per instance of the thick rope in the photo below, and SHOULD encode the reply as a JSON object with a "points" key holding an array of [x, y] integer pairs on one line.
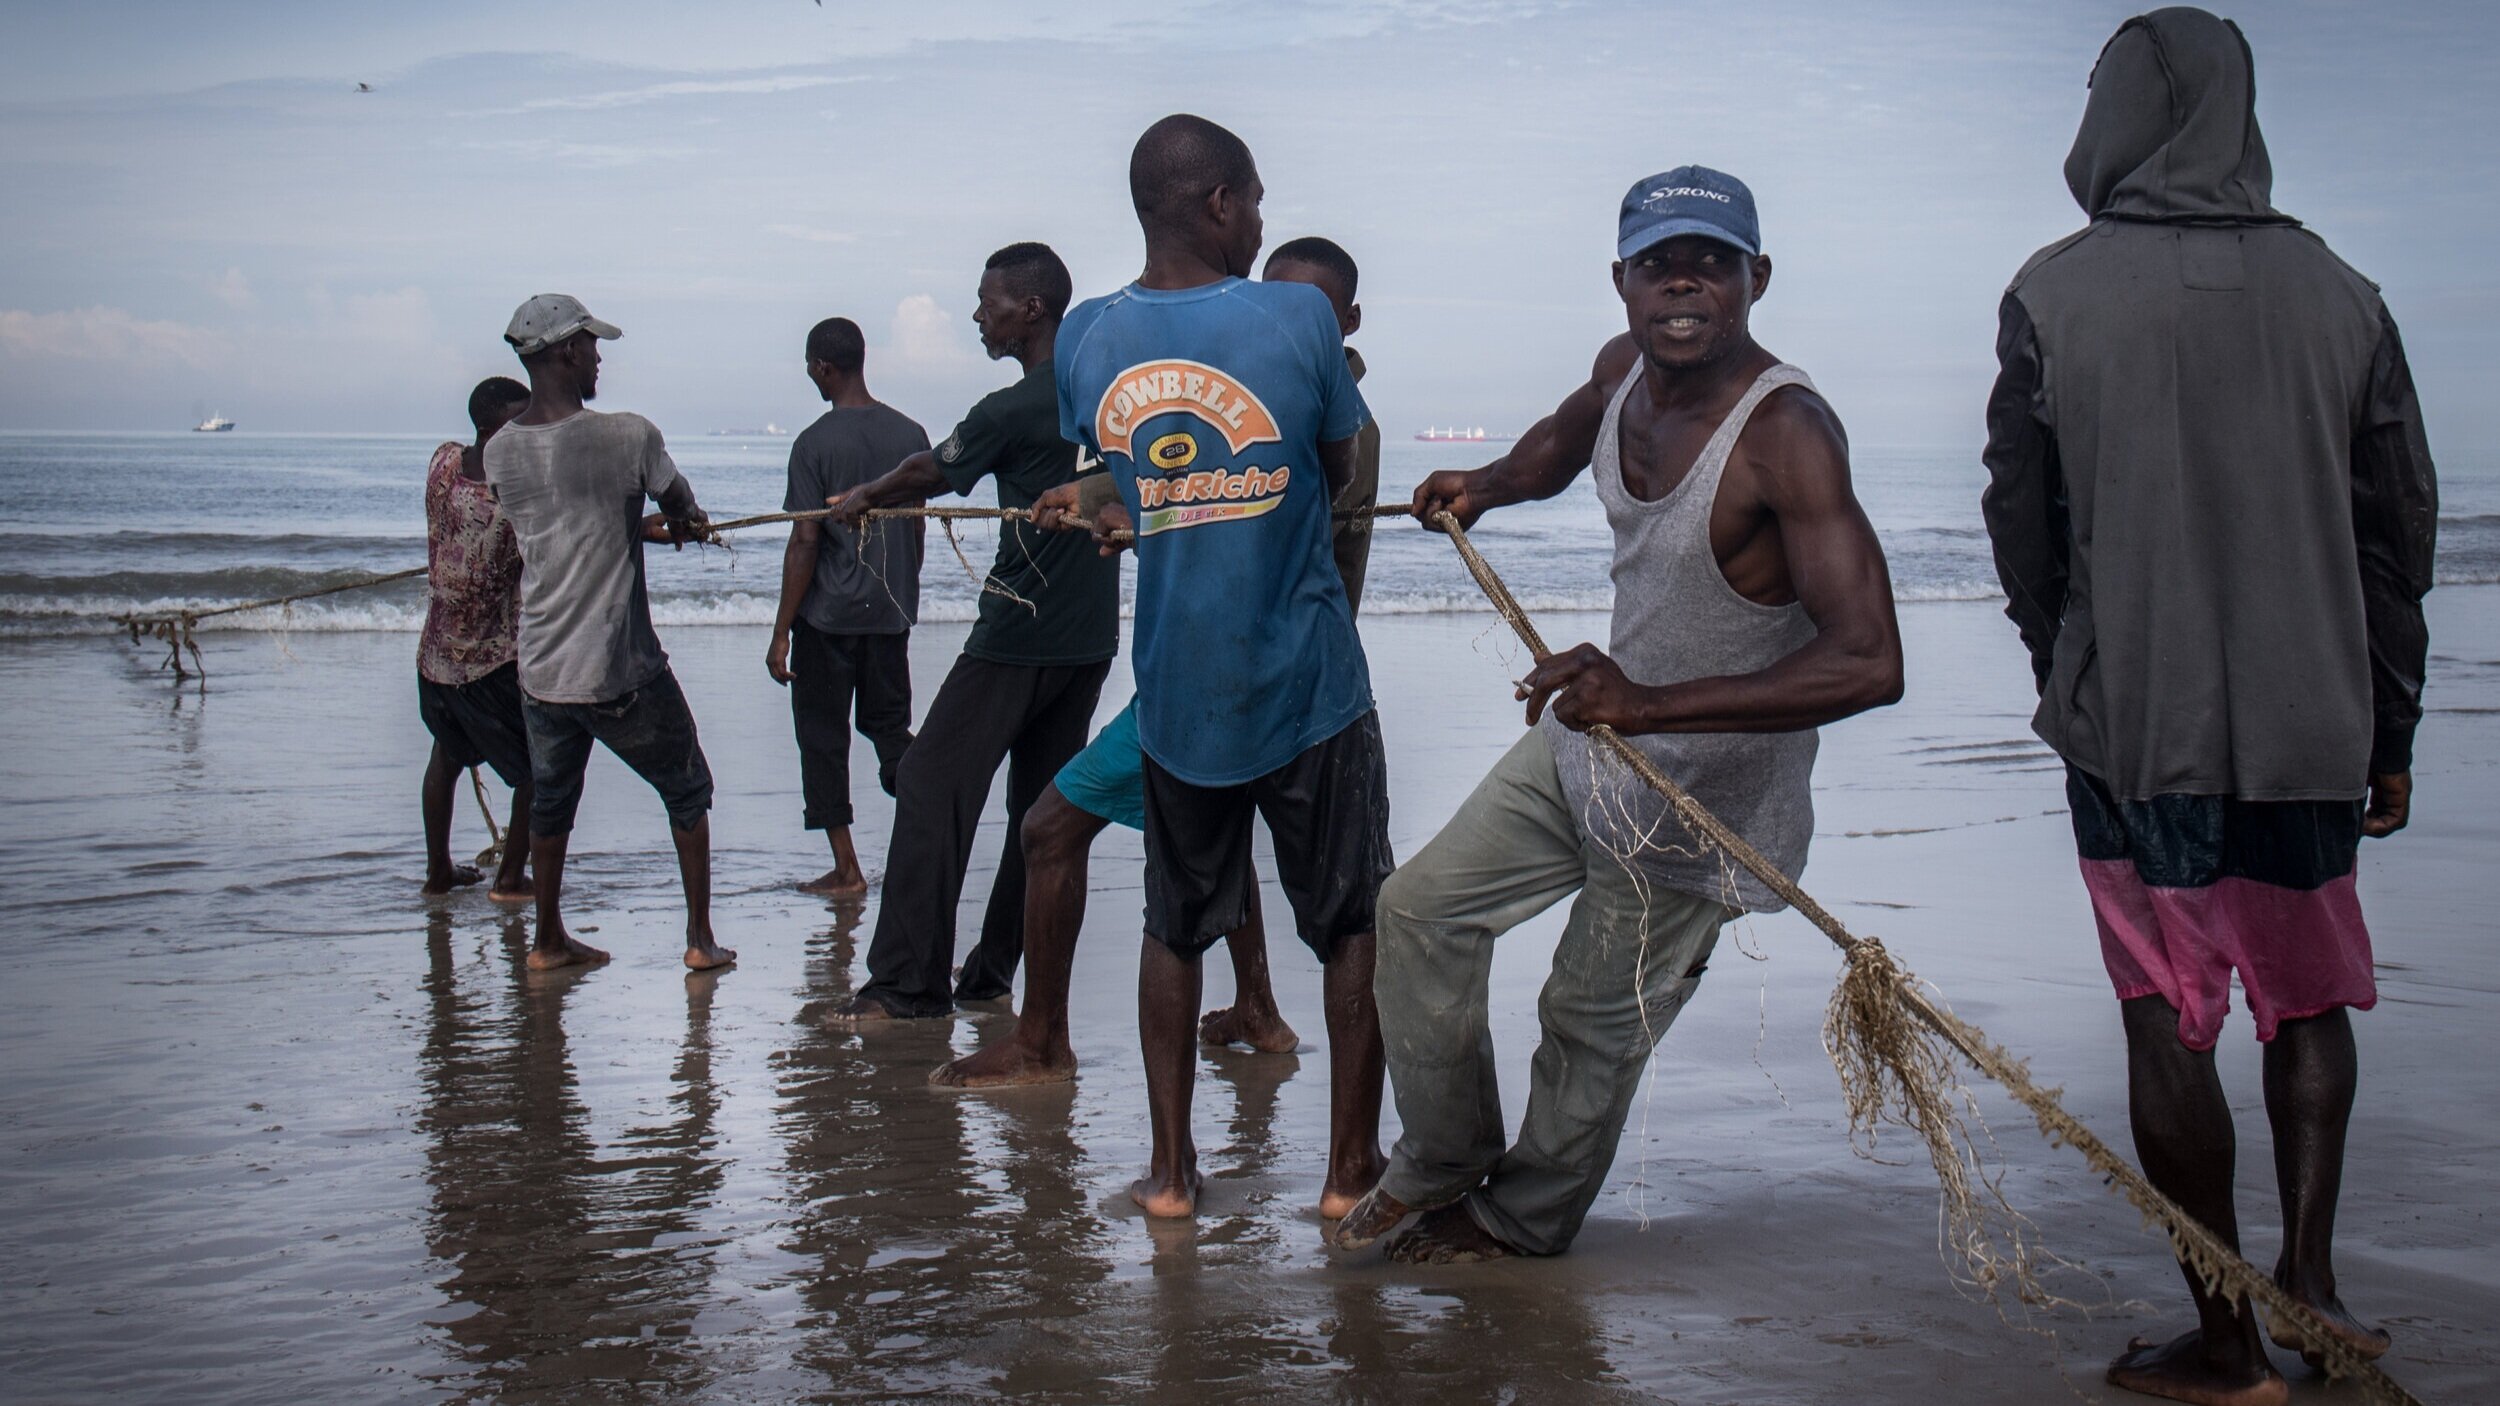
{"points": [[173, 628], [492, 855], [1891, 1074]]}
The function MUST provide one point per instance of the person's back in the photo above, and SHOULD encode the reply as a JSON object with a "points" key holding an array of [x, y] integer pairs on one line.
{"points": [[573, 491], [572, 483], [1256, 606], [2213, 512], [867, 580], [2209, 368], [849, 597]]}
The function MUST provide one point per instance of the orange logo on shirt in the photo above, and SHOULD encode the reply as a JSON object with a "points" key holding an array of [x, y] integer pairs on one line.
{"points": [[1183, 387]]}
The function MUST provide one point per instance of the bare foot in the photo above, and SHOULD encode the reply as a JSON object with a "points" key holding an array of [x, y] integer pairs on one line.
{"points": [[860, 1013], [1005, 1064], [574, 953], [443, 881], [524, 892], [1346, 1187], [1171, 1198], [2371, 1343], [1239, 1024], [704, 959], [833, 883], [1375, 1215], [2180, 1371], [1448, 1236]]}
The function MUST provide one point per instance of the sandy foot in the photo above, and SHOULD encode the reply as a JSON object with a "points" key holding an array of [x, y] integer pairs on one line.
{"points": [[2177, 1370], [526, 893], [833, 883], [460, 877], [1170, 1199], [1005, 1064], [704, 959], [2371, 1343], [574, 953], [1343, 1190], [1264, 1031], [860, 1013], [1375, 1215], [1447, 1236]]}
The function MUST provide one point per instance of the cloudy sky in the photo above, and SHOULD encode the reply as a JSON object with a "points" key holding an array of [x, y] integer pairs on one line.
{"points": [[202, 214]]}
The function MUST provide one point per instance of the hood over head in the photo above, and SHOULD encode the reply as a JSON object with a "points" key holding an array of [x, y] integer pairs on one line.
{"points": [[2170, 131]]}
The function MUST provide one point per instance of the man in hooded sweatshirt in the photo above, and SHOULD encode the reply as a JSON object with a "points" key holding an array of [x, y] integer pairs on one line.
{"points": [[2213, 513]]}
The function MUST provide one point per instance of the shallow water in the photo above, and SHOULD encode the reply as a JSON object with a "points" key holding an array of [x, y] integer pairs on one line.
{"points": [[280, 1130], [269, 515]]}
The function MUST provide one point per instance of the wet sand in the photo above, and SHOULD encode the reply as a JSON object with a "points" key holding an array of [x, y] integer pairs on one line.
{"points": [[278, 1129]]}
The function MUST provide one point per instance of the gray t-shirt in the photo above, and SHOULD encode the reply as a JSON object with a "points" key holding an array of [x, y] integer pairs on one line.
{"points": [[574, 492], [867, 582]]}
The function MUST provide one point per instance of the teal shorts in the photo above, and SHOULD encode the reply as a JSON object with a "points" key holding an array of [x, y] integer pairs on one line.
{"points": [[1108, 778]]}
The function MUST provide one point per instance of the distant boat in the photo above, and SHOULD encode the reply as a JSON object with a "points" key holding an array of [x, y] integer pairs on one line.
{"points": [[214, 424], [1474, 435], [770, 428]]}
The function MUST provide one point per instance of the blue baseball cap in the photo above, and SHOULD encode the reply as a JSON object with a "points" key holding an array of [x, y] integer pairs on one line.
{"points": [[1687, 200]]}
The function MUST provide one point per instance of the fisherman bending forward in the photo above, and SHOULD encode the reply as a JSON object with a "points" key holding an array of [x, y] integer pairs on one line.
{"points": [[1751, 606]]}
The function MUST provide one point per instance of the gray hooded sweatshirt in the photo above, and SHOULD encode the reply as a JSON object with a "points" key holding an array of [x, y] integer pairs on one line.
{"points": [[2210, 498]]}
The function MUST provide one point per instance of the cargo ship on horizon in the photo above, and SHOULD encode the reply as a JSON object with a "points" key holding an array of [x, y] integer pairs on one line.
{"points": [[1474, 435]]}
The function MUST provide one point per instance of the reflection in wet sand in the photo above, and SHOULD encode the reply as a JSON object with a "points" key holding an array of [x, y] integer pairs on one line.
{"points": [[943, 1240], [566, 1260], [285, 1132]]}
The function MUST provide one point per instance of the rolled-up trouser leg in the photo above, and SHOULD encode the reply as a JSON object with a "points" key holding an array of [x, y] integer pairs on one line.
{"points": [[1630, 957], [1509, 853]]}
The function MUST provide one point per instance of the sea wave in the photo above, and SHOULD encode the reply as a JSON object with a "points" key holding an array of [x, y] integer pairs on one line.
{"points": [[32, 616]]}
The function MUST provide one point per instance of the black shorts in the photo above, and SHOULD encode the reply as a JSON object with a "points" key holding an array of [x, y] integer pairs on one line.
{"points": [[650, 729], [479, 721], [1328, 812]]}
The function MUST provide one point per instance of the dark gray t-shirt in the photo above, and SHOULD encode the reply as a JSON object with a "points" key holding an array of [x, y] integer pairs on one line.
{"points": [[574, 493], [867, 582]]}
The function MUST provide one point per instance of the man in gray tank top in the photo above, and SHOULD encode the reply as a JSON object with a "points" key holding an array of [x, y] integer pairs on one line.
{"points": [[1752, 605]]}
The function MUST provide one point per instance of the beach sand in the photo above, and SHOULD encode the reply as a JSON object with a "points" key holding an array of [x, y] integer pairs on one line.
{"points": [[278, 1129]]}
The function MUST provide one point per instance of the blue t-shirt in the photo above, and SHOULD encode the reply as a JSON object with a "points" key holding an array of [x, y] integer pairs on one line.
{"points": [[1209, 405]]}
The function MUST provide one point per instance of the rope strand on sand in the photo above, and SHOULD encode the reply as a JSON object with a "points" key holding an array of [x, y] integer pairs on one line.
{"points": [[1881, 1030]]}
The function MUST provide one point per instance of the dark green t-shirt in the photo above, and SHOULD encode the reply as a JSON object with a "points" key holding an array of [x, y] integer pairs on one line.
{"points": [[1051, 598]]}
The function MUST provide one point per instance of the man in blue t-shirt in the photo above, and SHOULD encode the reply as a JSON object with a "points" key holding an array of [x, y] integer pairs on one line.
{"points": [[1226, 413]]}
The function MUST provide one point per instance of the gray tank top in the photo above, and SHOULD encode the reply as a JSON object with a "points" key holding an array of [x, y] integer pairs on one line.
{"points": [[1676, 618]]}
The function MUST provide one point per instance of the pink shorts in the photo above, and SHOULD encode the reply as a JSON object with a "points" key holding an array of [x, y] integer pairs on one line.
{"points": [[2191, 889], [2298, 952]]}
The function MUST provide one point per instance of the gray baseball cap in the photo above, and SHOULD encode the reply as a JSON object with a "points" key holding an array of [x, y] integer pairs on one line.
{"points": [[549, 318]]}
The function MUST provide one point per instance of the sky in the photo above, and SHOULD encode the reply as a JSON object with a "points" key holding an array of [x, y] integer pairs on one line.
{"points": [[203, 214]]}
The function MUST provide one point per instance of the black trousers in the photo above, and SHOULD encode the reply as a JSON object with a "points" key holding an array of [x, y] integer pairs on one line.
{"points": [[830, 675], [1032, 717]]}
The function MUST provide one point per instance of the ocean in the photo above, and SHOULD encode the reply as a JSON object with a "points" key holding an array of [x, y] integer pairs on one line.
{"points": [[103, 524]]}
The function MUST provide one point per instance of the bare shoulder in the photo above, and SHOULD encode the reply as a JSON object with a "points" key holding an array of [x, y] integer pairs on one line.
{"points": [[1795, 446]]}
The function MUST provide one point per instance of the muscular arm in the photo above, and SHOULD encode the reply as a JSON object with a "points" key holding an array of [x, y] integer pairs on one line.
{"points": [[798, 569], [912, 481], [1337, 462], [1798, 467], [677, 502], [1546, 459], [678, 517]]}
